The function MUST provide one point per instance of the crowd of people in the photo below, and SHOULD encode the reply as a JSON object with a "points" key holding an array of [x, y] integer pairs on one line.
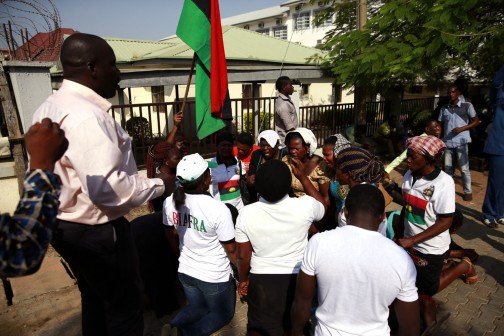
{"points": [[310, 248]]}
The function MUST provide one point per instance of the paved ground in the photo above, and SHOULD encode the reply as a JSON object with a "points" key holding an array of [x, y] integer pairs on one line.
{"points": [[48, 302]]}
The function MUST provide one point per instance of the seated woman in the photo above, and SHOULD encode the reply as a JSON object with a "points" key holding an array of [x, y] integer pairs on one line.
{"points": [[269, 143], [429, 195], [161, 162], [356, 166], [330, 150], [302, 144]]}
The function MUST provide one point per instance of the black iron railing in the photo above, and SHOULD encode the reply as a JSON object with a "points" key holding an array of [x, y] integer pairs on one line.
{"points": [[150, 123]]}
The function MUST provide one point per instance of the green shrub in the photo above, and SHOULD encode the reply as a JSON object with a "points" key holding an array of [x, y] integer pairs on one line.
{"points": [[138, 128], [265, 121]]}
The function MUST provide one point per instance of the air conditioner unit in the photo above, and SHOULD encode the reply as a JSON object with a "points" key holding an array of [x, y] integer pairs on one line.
{"points": [[246, 27], [278, 21], [298, 7], [261, 25]]}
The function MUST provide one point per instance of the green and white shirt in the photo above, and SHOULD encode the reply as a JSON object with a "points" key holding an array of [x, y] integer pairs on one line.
{"points": [[426, 199]]}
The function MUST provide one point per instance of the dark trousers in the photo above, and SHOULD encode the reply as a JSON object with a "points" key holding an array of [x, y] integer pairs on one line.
{"points": [[493, 206], [269, 299], [107, 275]]}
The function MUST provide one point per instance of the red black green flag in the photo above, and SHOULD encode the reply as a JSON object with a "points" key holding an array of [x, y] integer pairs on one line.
{"points": [[200, 28]]}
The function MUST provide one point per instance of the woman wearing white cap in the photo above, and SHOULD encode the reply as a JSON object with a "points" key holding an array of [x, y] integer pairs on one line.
{"points": [[269, 144], [206, 240], [302, 144]]}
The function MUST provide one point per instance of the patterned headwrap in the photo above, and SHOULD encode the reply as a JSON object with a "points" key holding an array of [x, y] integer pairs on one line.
{"points": [[426, 145], [361, 165], [341, 143], [308, 137]]}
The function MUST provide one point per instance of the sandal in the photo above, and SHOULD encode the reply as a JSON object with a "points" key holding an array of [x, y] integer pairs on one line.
{"points": [[470, 279]]}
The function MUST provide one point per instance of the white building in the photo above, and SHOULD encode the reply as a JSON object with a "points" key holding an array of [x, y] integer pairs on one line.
{"points": [[293, 21]]}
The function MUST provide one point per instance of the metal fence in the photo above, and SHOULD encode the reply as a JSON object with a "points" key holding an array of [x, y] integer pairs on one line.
{"points": [[150, 123]]}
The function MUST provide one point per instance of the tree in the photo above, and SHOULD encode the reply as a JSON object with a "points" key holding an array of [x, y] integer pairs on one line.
{"points": [[406, 41]]}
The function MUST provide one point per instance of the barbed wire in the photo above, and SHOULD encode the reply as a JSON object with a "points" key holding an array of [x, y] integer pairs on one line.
{"points": [[21, 20]]}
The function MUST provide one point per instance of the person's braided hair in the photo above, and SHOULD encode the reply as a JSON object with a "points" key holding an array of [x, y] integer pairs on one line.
{"points": [[155, 157], [361, 165]]}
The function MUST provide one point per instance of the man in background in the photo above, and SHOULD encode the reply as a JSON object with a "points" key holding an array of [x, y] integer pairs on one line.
{"points": [[458, 117], [286, 118]]}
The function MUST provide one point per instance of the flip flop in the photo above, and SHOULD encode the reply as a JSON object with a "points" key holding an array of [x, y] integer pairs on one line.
{"points": [[470, 280]]}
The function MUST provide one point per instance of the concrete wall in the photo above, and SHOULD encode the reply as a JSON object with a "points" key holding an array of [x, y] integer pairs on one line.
{"points": [[31, 84]]}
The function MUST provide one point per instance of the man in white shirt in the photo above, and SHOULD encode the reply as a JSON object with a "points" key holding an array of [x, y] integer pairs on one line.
{"points": [[100, 185], [357, 274]]}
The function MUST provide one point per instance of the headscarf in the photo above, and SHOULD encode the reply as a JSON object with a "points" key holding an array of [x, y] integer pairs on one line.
{"points": [[308, 137], [270, 136], [426, 145], [340, 144], [361, 165]]}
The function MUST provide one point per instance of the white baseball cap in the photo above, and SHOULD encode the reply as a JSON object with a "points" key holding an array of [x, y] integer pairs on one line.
{"points": [[192, 166]]}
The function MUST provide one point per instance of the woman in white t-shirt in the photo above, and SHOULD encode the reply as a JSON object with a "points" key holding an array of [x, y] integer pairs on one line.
{"points": [[206, 241], [271, 237]]}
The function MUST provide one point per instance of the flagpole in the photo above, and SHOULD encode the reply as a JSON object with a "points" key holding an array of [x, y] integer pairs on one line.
{"points": [[193, 64]]}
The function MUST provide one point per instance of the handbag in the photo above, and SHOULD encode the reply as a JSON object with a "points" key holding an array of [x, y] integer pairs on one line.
{"points": [[244, 190]]}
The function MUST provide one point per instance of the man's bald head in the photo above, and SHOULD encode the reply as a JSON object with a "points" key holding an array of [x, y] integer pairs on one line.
{"points": [[89, 60]]}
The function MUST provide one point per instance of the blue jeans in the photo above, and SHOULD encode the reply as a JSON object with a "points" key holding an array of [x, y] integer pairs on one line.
{"points": [[210, 306], [462, 157]]}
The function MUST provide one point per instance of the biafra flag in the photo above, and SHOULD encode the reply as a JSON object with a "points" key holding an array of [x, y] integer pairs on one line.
{"points": [[200, 28]]}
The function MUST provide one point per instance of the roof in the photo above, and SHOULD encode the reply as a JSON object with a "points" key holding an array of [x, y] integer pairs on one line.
{"points": [[250, 56], [255, 15], [43, 47], [242, 45], [292, 2], [128, 50]]}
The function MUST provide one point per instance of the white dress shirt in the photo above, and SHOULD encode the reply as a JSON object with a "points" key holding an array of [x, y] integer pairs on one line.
{"points": [[98, 170]]}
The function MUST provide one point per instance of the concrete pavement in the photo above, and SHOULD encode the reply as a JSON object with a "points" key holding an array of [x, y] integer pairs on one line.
{"points": [[47, 303]]}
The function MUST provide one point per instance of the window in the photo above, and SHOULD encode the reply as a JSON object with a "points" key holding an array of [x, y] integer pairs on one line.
{"points": [[302, 21], [280, 32], [337, 92], [327, 22], [158, 96], [265, 31], [305, 89]]}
